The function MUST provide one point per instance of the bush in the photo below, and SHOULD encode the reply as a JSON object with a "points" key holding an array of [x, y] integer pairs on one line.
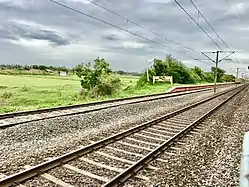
{"points": [[7, 95], [143, 78], [181, 74], [24, 89], [228, 78], [109, 84], [97, 79]]}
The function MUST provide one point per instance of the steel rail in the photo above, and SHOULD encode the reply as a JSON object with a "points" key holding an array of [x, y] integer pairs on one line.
{"points": [[170, 94], [21, 113], [43, 167], [132, 170], [8, 115]]}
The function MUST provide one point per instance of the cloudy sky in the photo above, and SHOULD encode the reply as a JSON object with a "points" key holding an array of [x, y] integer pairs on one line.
{"points": [[41, 32]]}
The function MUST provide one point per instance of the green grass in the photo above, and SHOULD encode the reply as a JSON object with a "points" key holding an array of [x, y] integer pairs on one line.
{"points": [[29, 92]]}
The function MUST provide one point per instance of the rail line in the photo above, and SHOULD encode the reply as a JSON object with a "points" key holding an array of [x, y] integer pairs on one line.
{"points": [[16, 118], [113, 160]]}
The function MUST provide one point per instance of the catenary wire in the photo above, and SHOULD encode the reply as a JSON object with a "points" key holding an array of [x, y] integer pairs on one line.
{"points": [[141, 26], [199, 13], [206, 20], [191, 17], [120, 28], [209, 24]]}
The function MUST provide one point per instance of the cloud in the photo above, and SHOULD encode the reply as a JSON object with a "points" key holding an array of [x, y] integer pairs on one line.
{"points": [[16, 30], [50, 34]]}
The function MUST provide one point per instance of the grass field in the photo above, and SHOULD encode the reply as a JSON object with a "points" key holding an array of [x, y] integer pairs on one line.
{"points": [[28, 92]]}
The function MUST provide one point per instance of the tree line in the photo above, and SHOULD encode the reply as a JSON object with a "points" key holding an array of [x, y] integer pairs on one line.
{"points": [[161, 67], [182, 74], [37, 67], [54, 68]]}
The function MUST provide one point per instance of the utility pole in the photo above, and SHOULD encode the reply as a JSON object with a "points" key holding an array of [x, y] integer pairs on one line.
{"points": [[237, 73], [216, 67], [147, 69], [217, 61], [237, 76]]}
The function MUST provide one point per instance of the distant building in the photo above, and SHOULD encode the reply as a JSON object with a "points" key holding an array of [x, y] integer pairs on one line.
{"points": [[49, 70], [62, 73]]}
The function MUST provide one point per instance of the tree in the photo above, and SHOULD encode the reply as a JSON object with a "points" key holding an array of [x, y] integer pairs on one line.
{"points": [[220, 73], [210, 77], [120, 72], [228, 78], [160, 67], [87, 75], [180, 72], [101, 66], [97, 79]]}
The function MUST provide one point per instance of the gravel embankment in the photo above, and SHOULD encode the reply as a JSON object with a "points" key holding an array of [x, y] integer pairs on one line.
{"points": [[32, 142], [84, 109], [213, 159]]}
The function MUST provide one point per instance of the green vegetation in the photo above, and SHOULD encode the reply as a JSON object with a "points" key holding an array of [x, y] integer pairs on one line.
{"points": [[33, 92], [181, 74], [23, 90], [16, 69], [99, 80], [26, 92]]}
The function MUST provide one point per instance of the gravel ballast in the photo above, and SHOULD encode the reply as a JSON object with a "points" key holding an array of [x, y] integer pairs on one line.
{"points": [[31, 143], [213, 159]]}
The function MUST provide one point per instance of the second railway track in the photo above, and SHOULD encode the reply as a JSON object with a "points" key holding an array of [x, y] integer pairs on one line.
{"points": [[17, 118], [113, 160]]}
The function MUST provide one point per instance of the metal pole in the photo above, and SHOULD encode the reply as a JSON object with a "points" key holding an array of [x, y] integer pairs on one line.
{"points": [[216, 67], [148, 78], [237, 75]]}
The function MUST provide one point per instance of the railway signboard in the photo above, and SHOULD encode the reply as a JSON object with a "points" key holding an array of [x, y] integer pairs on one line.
{"points": [[163, 79]]}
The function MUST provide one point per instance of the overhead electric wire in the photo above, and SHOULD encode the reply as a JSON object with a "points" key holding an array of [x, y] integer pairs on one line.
{"points": [[120, 28], [209, 24], [191, 17], [139, 25], [199, 12]]}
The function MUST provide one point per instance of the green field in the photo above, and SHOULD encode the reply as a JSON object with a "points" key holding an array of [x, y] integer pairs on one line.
{"points": [[28, 92]]}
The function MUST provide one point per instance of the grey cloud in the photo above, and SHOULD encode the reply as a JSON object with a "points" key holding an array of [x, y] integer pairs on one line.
{"points": [[6, 35], [111, 37], [164, 17], [16, 31], [50, 36]]}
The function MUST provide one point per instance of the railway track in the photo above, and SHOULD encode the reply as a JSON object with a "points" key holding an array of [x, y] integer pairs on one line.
{"points": [[114, 160], [16, 118]]}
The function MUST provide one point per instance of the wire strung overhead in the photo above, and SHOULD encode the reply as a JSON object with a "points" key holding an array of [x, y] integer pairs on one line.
{"points": [[191, 17], [141, 26], [209, 24], [199, 12], [120, 28]]}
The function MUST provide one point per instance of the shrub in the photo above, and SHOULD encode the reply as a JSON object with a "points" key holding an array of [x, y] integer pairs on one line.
{"points": [[24, 89], [3, 87], [97, 79], [7, 95], [143, 78], [109, 84]]}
